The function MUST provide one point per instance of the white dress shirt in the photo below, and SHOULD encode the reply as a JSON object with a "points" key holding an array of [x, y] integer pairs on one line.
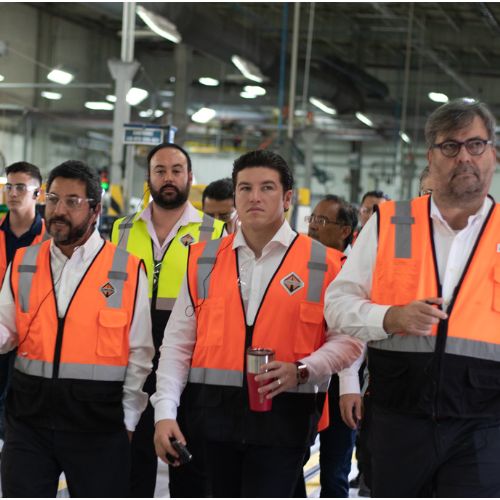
{"points": [[180, 333], [67, 275], [189, 215], [348, 308]]}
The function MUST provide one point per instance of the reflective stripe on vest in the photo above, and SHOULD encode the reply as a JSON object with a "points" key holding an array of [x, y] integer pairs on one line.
{"points": [[124, 231], [26, 270], [118, 276], [207, 227], [77, 371], [205, 265], [403, 221], [163, 303], [317, 268], [234, 378]]}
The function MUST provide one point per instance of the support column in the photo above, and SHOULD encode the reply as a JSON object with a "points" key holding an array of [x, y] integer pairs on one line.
{"points": [[310, 137], [355, 171], [182, 79]]}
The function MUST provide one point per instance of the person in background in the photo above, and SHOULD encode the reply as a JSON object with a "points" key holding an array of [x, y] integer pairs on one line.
{"points": [[425, 182], [218, 202], [421, 287], [77, 308], [161, 235], [20, 227], [368, 202], [333, 222], [261, 286]]}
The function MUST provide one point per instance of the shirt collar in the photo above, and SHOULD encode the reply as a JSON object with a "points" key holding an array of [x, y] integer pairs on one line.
{"points": [[85, 252], [283, 236], [479, 215]]}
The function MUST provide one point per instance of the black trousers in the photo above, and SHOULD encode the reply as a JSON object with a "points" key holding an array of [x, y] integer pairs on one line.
{"points": [[95, 464], [245, 470], [421, 457]]}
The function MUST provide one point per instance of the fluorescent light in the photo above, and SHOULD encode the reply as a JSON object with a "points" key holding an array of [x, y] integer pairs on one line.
{"points": [[248, 69], [247, 95], [158, 113], [405, 137], [2, 78], [111, 98], [468, 100], [99, 105], [146, 113], [60, 76], [438, 97], [203, 115], [320, 104], [159, 24], [364, 119], [209, 82], [53, 96], [254, 89], [136, 95]]}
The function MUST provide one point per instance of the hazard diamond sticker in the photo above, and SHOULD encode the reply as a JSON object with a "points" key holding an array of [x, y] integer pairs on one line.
{"points": [[108, 289], [187, 240], [292, 283]]}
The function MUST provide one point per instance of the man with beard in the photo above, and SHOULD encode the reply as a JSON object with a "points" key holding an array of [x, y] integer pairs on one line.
{"points": [[161, 235], [422, 287], [77, 308]]}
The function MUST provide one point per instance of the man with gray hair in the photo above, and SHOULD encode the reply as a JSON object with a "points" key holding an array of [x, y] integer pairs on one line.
{"points": [[422, 288]]}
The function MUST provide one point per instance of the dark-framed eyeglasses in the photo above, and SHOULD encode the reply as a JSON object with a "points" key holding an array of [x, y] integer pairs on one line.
{"points": [[321, 220], [20, 188], [450, 149], [70, 202]]}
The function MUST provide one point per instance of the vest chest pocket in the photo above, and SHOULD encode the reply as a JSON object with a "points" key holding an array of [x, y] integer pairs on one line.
{"points": [[496, 288], [210, 330], [308, 335], [110, 332]]}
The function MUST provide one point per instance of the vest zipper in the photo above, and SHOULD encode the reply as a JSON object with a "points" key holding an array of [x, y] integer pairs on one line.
{"points": [[58, 348]]}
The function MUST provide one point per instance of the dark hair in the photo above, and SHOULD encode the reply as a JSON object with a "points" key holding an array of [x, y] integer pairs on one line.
{"points": [[346, 214], [170, 145], [456, 115], [24, 167], [221, 189], [375, 194], [264, 158], [74, 169]]}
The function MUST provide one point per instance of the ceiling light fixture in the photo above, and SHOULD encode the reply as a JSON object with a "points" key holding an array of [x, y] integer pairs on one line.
{"points": [[254, 89], [111, 98], [158, 113], [438, 97], [364, 119], [468, 100], [248, 69], [203, 115], [53, 96], [2, 78], [208, 81], [99, 105], [136, 95], [60, 76], [320, 104], [405, 137], [247, 95], [161, 26]]}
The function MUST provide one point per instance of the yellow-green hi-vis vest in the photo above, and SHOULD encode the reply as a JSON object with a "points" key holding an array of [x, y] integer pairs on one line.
{"points": [[130, 233]]}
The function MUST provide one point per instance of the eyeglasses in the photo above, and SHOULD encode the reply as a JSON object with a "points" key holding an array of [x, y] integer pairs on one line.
{"points": [[423, 192], [19, 188], [70, 202], [320, 220], [450, 149], [365, 210]]}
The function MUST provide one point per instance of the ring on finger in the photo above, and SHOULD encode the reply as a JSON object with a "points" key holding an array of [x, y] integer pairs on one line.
{"points": [[279, 381]]}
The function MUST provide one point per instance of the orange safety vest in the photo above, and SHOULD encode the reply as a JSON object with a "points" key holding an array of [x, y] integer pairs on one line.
{"points": [[290, 318], [3, 254], [405, 270], [91, 342]]}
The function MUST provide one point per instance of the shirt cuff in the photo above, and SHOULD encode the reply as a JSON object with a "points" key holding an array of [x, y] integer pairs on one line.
{"points": [[349, 383], [375, 321], [165, 409], [131, 419]]}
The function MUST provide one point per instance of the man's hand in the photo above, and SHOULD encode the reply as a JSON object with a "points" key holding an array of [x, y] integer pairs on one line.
{"points": [[351, 409], [164, 430], [130, 435], [416, 318], [279, 377]]}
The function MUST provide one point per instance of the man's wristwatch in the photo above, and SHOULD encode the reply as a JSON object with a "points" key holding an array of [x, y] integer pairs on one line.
{"points": [[302, 373]]}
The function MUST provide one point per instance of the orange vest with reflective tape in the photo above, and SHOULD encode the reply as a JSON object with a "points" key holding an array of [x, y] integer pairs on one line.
{"points": [[286, 320], [3, 254], [95, 336], [474, 313]]}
